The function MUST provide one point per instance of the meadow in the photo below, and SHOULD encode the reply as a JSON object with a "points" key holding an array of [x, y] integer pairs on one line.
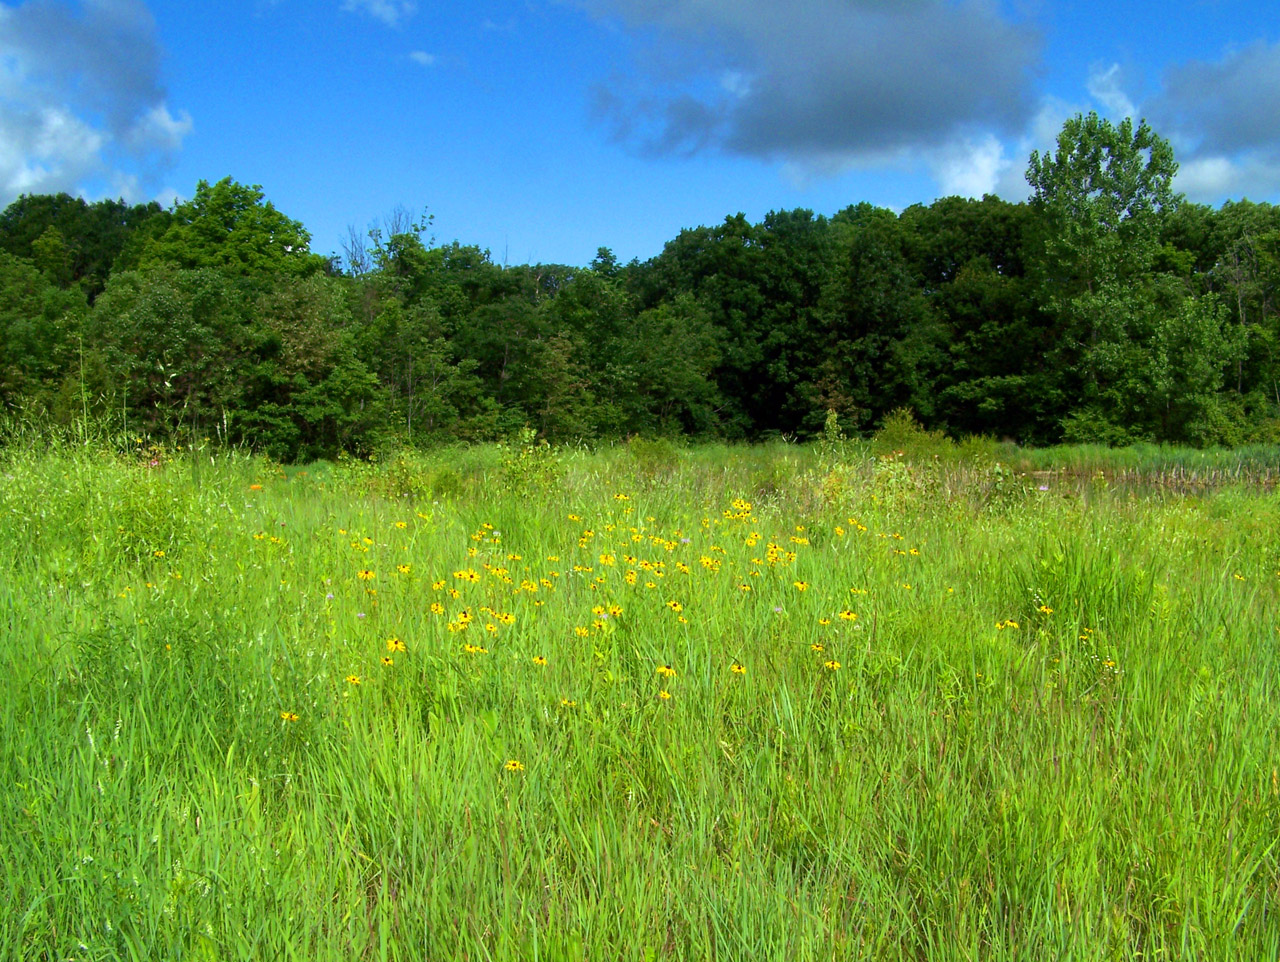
{"points": [[836, 701]]}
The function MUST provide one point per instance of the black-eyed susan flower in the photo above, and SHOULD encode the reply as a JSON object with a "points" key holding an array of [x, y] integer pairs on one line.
{"points": [[513, 766], [364, 574], [831, 665], [664, 695], [848, 615], [289, 716], [801, 585], [540, 661], [395, 644], [401, 525], [817, 647], [387, 661], [666, 671], [568, 703], [738, 669], [353, 679], [403, 569], [437, 608]]}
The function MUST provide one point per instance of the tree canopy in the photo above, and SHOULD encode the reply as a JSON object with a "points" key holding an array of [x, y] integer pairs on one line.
{"points": [[1106, 308], [232, 228]]}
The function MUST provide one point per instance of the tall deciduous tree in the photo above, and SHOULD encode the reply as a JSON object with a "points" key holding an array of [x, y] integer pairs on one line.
{"points": [[234, 229], [1101, 195], [1103, 190]]}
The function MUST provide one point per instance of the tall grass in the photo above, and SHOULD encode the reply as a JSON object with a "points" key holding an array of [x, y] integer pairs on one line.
{"points": [[1050, 734]]}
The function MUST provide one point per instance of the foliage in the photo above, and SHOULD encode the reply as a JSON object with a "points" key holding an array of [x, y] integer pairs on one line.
{"points": [[1104, 310], [235, 229], [39, 334], [82, 242]]}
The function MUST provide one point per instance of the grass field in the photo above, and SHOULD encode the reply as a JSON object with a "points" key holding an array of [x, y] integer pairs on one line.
{"points": [[639, 703]]}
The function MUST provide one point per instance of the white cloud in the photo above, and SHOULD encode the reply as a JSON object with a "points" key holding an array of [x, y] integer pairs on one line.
{"points": [[80, 98], [423, 58], [1042, 135], [735, 83], [390, 12], [1104, 88], [1210, 179], [168, 197], [45, 151], [159, 130], [970, 168]]}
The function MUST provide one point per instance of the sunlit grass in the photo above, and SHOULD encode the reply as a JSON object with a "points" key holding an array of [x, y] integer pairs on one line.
{"points": [[771, 702]]}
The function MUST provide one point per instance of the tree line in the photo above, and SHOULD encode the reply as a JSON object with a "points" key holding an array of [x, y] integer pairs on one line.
{"points": [[1106, 308]]}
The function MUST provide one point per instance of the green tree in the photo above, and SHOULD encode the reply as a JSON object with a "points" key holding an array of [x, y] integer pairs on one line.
{"points": [[659, 380], [970, 258], [39, 330], [94, 236], [1102, 191], [1245, 244], [232, 228], [52, 257], [881, 343], [1101, 197]]}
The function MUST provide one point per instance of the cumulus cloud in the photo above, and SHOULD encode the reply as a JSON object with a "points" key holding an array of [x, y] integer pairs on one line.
{"points": [[970, 167], [1213, 178], [157, 129], [822, 82], [390, 12], [1221, 118], [80, 96]]}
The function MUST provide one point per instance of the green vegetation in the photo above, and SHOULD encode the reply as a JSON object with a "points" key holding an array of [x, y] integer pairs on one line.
{"points": [[1106, 310], [918, 707]]}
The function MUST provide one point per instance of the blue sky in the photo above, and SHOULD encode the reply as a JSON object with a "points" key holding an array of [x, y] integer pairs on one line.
{"points": [[544, 129]]}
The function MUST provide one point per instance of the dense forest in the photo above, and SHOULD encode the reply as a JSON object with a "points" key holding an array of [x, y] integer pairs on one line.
{"points": [[1106, 308]]}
